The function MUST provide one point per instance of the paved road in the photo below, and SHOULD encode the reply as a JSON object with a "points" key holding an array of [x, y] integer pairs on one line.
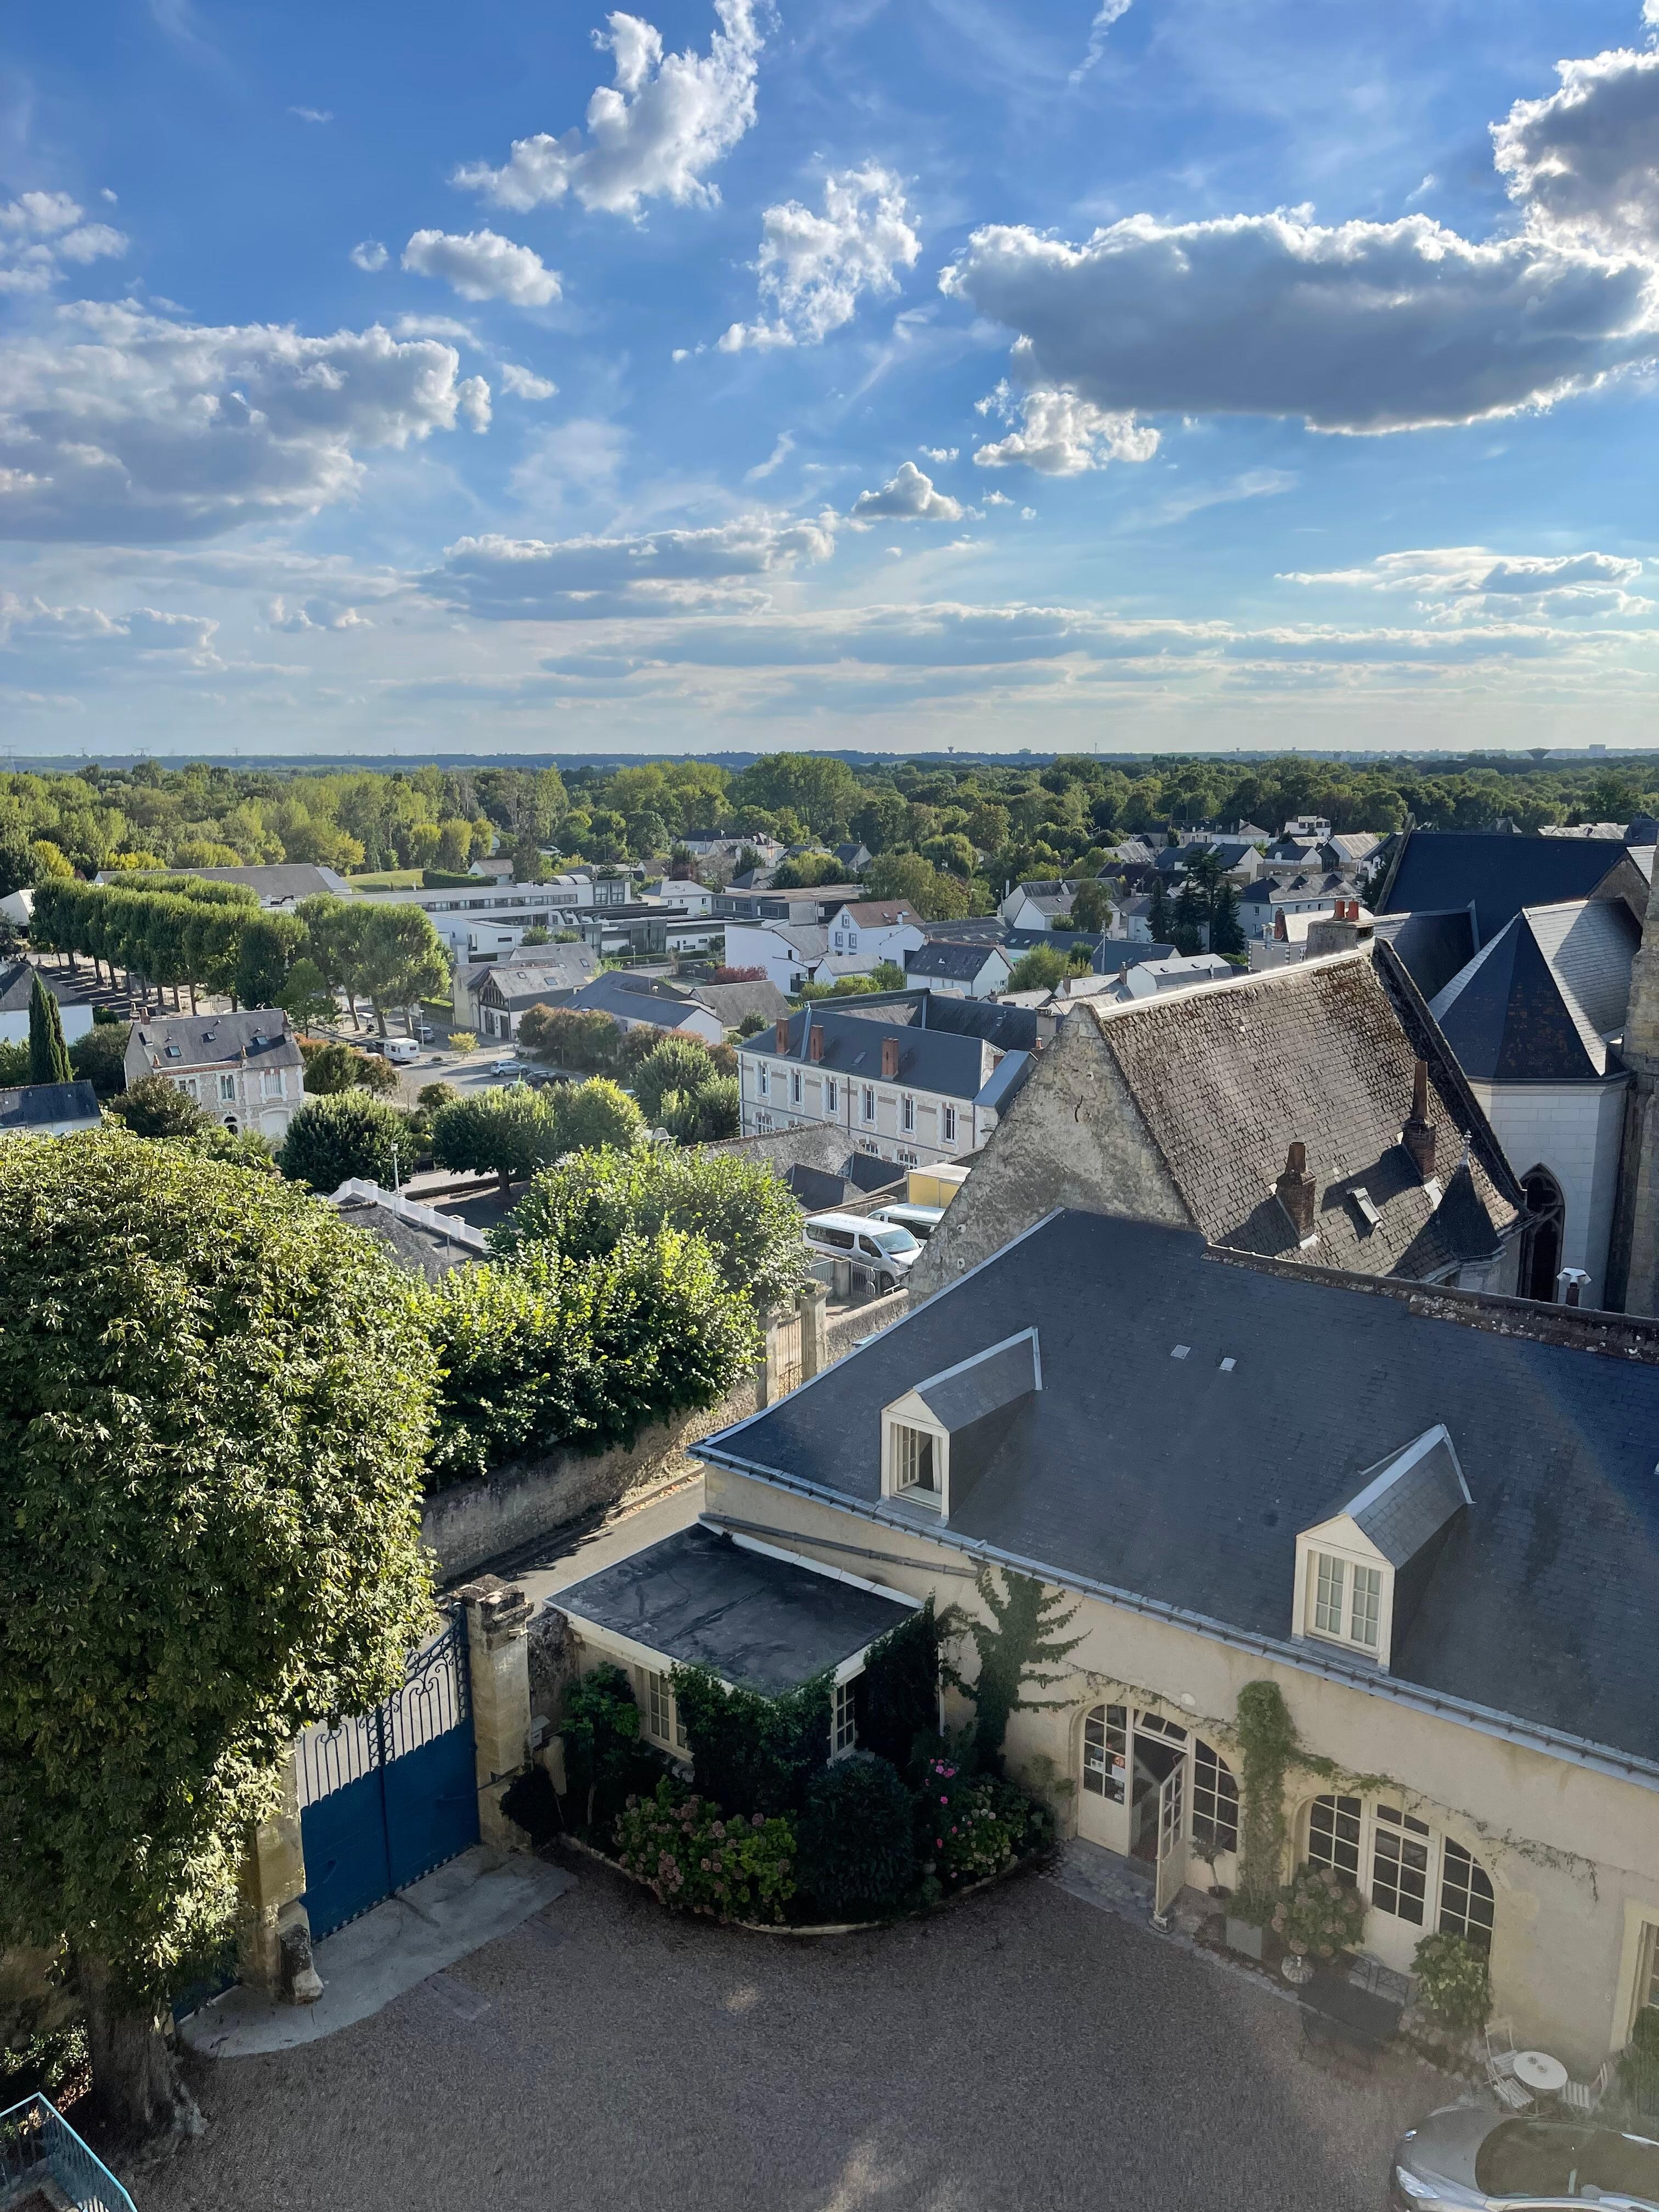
{"points": [[1024, 2052]]}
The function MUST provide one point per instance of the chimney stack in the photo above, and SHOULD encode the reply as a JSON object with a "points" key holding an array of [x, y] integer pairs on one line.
{"points": [[780, 1034], [1572, 1282], [1420, 1139], [1295, 1192], [889, 1051], [815, 1044]]}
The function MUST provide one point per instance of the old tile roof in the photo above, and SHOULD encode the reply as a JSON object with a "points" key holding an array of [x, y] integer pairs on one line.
{"points": [[1538, 1003], [1542, 1603], [1498, 875], [880, 913], [1321, 1054]]}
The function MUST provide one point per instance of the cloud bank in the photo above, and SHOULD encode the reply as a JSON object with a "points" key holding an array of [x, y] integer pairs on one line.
{"points": [[533, 579]]}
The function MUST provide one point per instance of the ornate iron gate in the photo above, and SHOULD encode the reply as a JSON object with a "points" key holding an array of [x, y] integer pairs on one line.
{"points": [[389, 1795]]}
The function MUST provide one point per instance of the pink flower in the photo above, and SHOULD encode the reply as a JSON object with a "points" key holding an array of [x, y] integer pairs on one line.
{"points": [[943, 1800]]}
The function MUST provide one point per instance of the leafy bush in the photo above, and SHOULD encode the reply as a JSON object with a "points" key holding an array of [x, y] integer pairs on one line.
{"points": [[597, 1116], [1453, 1980], [1319, 1914], [677, 1064], [897, 1697], [100, 1057], [857, 1853], [707, 1116], [567, 1036], [963, 1824], [501, 1131], [747, 1216], [332, 1140], [695, 1856], [759, 1754], [604, 1755], [153, 1107], [545, 1351], [331, 1068]]}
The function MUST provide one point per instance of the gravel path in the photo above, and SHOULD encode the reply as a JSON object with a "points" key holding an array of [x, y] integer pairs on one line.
{"points": [[1024, 2053]]}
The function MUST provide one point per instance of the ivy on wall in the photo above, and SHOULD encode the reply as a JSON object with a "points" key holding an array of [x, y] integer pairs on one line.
{"points": [[1267, 1744]]}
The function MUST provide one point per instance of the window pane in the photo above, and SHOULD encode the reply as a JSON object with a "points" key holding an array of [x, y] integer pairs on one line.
{"points": [[1105, 1749], [1215, 1799], [1333, 1836], [1466, 1898], [1328, 1595], [1367, 1605], [1399, 1866]]}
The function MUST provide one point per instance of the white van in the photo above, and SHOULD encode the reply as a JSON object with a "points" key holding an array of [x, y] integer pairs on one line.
{"points": [[402, 1051], [921, 1220], [882, 1248]]}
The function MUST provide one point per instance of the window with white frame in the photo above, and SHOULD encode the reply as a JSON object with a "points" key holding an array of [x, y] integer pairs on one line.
{"points": [[270, 1083], [914, 1463], [1417, 1875], [1333, 1836], [1466, 1898], [949, 1125], [906, 1112], [1106, 1751], [228, 1090], [869, 1103], [1345, 1601], [1215, 1798], [1399, 1864], [662, 1713], [190, 1085], [843, 1724]]}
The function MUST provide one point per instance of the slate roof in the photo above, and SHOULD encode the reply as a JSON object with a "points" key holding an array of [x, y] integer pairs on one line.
{"points": [[982, 1383], [517, 984], [1431, 947], [278, 885], [17, 988], [632, 1000], [419, 1237], [760, 1623], [960, 961], [1406, 1500], [260, 1036], [1538, 1002], [930, 1058], [1543, 1602], [1105, 958], [878, 913], [729, 1003], [36, 1105], [1441, 869], [1226, 1078]]}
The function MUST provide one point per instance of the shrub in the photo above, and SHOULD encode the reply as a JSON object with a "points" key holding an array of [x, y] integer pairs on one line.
{"points": [[569, 1038], [758, 1754], [596, 1117], [1453, 1980], [746, 1216], [462, 1041], [100, 1057], [707, 1116], [604, 1755], [153, 1107], [897, 1697], [676, 1064], [332, 1140], [694, 1856], [962, 1825], [332, 1068], [1317, 1913], [501, 1131], [857, 1854], [546, 1351]]}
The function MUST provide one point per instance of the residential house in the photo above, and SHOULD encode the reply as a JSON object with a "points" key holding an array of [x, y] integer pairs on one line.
{"points": [[538, 975], [1174, 972], [1106, 955], [958, 969], [733, 1003], [17, 989], [793, 934], [1295, 936], [638, 1002], [420, 1239], [852, 856], [908, 1075], [1037, 905], [821, 1163], [1297, 892], [1315, 1114], [865, 934], [1132, 918], [1443, 1554], [243, 1070], [809, 902], [49, 1109]]}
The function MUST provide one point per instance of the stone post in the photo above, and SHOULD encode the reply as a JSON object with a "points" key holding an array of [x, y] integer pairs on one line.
{"points": [[766, 1367], [273, 1932], [498, 1648], [814, 1331]]}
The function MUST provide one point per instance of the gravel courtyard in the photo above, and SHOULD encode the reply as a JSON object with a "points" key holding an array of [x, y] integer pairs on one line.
{"points": [[1022, 2052]]}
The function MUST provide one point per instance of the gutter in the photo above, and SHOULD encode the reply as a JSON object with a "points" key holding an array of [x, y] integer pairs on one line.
{"points": [[1485, 1720]]}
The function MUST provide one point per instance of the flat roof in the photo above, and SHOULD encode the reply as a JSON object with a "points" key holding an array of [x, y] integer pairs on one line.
{"points": [[759, 1622]]}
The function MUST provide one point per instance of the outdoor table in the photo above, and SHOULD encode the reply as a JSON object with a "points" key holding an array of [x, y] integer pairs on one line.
{"points": [[1537, 2071]]}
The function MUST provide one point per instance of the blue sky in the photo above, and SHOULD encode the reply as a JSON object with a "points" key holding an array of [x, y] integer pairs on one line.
{"points": [[1161, 374]]}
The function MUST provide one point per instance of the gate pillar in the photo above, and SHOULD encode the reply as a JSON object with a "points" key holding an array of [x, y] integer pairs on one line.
{"points": [[498, 1650], [814, 1332], [269, 1885]]}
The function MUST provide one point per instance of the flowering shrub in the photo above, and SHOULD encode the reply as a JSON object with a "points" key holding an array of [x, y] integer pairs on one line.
{"points": [[692, 1856], [855, 1828], [1316, 1913], [962, 1824], [1452, 1980]]}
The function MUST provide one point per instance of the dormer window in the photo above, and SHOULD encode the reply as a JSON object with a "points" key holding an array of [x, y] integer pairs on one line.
{"points": [[1361, 1572], [1348, 1600], [939, 1437], [914, 1462]]}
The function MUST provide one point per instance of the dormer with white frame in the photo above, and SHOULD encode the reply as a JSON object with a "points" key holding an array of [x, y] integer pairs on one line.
{"points": [[937, 1438], [1360, 1572]]}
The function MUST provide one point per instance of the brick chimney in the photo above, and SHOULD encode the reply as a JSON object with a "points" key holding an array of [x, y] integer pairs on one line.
{"points": [[781, 1034], [815, 1044], [890, 1052], [1419, 1137], [1295, 1192]]}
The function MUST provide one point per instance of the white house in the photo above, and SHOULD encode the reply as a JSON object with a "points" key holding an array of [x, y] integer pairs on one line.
{"points": [[1038, 905], [954, 969], [244, 1071], [852, 938], [49, 1109], [865, 933], [16, 989]]}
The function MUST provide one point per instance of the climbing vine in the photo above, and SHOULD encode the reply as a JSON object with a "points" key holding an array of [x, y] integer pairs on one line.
{"points": [[1266, 1742], [1018, 1648]]}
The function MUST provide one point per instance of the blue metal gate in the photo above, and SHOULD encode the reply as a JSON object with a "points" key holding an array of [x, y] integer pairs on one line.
{"points": [[387, 1797]]}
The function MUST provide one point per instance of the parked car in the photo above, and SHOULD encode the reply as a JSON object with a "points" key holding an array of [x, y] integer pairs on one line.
{"points": [[402, 1051], [882, 1248], [921, 1220], [426, 1033], [1470, 2158], [509, 1065]]}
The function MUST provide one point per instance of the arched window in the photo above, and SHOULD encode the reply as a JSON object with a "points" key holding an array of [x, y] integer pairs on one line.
{"points": [[1215, 1799], [1541, 1246], [1408, 1869]]}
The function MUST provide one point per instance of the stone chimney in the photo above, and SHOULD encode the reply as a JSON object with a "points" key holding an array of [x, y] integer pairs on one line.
{"points": [[890, 1052], [1572, 1282], [1340, 933], [815, 1044], [780, 1034], [1295, 1192], [1419, 1137]]}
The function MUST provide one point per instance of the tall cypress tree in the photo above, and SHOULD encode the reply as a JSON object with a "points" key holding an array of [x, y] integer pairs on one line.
{"points": [[49, 1060]]}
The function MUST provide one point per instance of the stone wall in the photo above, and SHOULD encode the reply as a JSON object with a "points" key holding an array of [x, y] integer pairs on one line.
{"points": [[475, 1522]]}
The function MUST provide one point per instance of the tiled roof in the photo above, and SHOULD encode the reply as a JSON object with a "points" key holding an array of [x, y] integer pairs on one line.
{"points": [[880, 914], [1323, 1054]]}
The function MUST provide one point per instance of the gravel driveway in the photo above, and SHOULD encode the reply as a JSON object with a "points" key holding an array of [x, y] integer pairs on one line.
{"points": [[1021, 2052]]}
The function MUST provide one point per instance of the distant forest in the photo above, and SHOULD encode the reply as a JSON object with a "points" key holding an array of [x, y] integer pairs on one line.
{"points": [[947, 836]]}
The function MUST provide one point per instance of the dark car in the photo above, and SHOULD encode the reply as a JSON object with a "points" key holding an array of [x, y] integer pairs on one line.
{"points": [[1467, 2157]]}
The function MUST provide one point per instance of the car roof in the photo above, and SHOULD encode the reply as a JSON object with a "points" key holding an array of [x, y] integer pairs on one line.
{"points": [[837, 1221]]}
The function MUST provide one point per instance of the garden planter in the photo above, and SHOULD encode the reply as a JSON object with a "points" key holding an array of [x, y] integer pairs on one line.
{"points": [[1243, 1936]]}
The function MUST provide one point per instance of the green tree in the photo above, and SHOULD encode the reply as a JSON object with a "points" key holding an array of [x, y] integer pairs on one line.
{"points": [[1043, 968], [1191, 913], [213, 1400], [1091, 906], [334, 930], [1159, 920], [49, 1060], [401, 959], [1225, 934], [935, 896], [506, 1131], [268, 947], [338, 1138], [706, 1115], [154, 1107], [100, 1058], [305, 996], [748, 1219], [679, 1063], [598, 1116]]}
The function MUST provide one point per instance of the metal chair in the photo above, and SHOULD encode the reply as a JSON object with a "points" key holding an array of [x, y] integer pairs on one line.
{"points": [[1585, 2096], [1507, 2090], [1500, 2046]]}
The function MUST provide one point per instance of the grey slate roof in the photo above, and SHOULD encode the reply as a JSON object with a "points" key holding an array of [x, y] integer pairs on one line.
{"points": [[260, 1036], [33, 1105], [939, 957], [1440, 870], [1543, 1601], [982, 1383], [759, 1622], [950, 1066], [729, 1003], [519, 984], [1431, 947], [632, 1001], [1406, 1499], [1538, 1002], [283, 883], [419, 1237]]}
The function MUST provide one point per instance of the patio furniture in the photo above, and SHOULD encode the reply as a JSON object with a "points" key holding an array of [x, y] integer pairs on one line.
{"points": [[1507, 2090], [1500, 2046], [1585, 2096], [1537, 2071]]}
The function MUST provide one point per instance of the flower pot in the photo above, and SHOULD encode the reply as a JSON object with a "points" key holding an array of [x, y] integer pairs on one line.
{"points": [[1296, 1968], [1245, 1936]]}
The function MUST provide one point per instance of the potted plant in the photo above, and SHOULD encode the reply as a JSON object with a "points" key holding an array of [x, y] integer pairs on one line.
{"points": [[1247, 1916], [1204, 1846], [1317, 1916]]}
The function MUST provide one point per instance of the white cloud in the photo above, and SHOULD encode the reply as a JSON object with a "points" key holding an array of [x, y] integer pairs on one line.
{"points": [[143, 633], [531, 580], [1109, 12], [524, 383], [472, 399], [1059, 435], [908, 496], [939, 452], [1364, 327], [297, 616], [782, 448], [39, 232], [814, 267], [314, 114], [369, 255], [480, 264], [119, 424], [1472, 580], [1584, 162], [653, 133], [435, 326]]}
